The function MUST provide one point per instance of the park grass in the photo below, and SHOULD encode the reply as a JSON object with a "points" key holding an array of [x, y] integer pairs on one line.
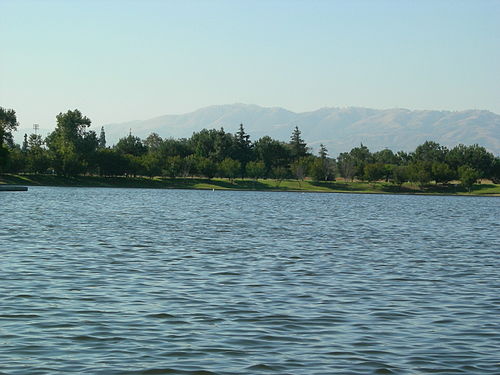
{"points": [[483, 189]]}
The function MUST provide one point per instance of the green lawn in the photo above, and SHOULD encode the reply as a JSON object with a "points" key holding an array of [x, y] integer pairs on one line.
{"points": [[247, 184]]}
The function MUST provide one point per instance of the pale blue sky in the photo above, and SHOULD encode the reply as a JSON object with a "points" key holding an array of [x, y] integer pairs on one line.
{"points": [[126, 60]]}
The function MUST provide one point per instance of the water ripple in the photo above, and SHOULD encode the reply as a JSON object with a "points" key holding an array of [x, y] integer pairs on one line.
{"points": [[122, 281]]}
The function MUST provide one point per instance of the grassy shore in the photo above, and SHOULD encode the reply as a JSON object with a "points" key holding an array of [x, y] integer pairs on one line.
{"points": [[483, 189]]}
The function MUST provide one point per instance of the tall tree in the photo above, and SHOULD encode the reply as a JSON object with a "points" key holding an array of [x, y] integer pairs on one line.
{"points": [[36, 155], [153, 143], [346, 166], [323, 152], [102, 139], [273, 153], [8, 123], [360, 156], [474, 156], [297, 145], [243, 148], [71, 144], [131, 145], [24, 147]]}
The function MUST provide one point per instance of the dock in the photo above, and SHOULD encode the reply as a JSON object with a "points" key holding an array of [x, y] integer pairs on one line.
{"points": [[13, 188]]}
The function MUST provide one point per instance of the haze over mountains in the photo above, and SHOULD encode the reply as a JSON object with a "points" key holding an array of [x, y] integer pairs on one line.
{"points": [[340, 129]]}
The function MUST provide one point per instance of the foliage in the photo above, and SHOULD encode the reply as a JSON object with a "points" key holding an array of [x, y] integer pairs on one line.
{"points": [[346, 166], [101, 143], [399, 174], [255, 169], [374, 171], [468, 176], [298, 148], [273, 153], [419, 172], [430, 151], [442, 173], [230, 168], [71, 144], [131, 145], [72, 149], [8, 124], [474, 156]]}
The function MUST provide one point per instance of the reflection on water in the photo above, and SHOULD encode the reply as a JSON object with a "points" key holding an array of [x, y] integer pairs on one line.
{"points": [[123, 281]]}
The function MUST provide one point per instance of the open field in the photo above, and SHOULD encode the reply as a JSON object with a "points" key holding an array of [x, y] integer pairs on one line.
{"points": [[483, 189]]}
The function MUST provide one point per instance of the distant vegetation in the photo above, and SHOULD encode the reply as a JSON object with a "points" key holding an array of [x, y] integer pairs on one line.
{"points": [[74, 150]]}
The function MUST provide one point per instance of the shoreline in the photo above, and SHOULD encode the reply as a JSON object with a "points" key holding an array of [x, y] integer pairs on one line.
{"points": [[307, 186]]}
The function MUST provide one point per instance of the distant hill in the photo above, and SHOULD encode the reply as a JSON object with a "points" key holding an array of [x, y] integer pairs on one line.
{"points": [[339, 129]]}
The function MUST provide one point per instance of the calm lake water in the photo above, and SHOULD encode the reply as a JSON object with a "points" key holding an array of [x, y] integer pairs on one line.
{"points": [[132, 281]]}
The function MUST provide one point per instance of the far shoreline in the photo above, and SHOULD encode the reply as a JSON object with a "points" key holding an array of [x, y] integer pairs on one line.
{"points": [[307, 186]]}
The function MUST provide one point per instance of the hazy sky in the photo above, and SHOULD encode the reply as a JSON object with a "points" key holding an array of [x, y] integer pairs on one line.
{"points": [[125, 60]]}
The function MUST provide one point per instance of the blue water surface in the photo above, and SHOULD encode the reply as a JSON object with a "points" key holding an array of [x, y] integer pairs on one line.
{"points": [[136, 281]]}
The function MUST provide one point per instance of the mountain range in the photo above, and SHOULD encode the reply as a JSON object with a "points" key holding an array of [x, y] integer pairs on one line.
{"points": [[339, 129]]}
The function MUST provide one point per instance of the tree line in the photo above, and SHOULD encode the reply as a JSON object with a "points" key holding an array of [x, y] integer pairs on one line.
{"points": [[73, 149]]}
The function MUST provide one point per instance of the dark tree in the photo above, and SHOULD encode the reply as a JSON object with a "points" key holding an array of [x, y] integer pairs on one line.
{"points": [[360, 156], [8, 124], [71, 144], [24, 147], [297, 145], [323, 152], [431, 152], [468, 176], [243, 150], [273, 153], [346, 166], [102, 139], [131, 145]]}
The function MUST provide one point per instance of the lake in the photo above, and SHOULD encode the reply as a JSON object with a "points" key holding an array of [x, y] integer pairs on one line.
{"points": [[136, 281]]}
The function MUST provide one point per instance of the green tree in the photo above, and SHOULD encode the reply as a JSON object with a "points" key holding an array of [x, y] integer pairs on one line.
{"points": [[473, 156], [468, 176], [172, 147], [101, 143], [322, 169], [71, 144], [229, 168], [298, 147], [280, 173], [273, 153], [300, 168], [154, 143], [420, 172], [173, 166], [37, 157], [386, 156], [111, 163], [361, 156], [207, 167], [255, 169], [151, 164], [430, 151], [243, 149], [323, 152], [399, 175], [495, 171], [442, 173], [8, 124], [374, 172], [131, 145], [346, 166], [190, 165], [24, 147]]}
